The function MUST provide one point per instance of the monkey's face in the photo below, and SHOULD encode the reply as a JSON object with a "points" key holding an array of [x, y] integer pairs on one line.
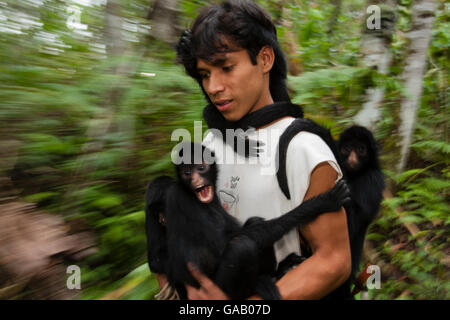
{"points": [[197, 178], [354, 154]]}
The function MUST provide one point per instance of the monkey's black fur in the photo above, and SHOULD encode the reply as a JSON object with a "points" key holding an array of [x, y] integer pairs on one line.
{"points": [[239, 259], [366, 186], [215, 120], [155, 198], [366, 182]]}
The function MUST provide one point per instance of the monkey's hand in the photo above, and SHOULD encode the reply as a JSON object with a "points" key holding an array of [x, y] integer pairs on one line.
{"points": [[184, 44], [335, 198], [253, 147]]}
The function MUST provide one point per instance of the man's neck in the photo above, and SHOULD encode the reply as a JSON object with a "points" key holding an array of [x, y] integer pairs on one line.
{"points": [[265, 100], [260, 118]]}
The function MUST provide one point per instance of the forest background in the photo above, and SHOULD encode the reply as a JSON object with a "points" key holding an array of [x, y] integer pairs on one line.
{"points": [[90, 93]]}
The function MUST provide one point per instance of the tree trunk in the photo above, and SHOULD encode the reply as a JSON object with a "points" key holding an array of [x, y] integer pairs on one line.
{"points": [[164, 17], [375, 48], [290, 44], [419, 36], [100, 125], [335, 15]]}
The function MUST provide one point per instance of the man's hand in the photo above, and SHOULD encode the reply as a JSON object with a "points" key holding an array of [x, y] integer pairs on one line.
{"points": [[208, 290]]}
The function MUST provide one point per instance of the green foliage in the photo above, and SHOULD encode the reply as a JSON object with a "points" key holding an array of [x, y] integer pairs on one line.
{"points": [[139, 284], [419, 257], [92, 127], [326, 89]]}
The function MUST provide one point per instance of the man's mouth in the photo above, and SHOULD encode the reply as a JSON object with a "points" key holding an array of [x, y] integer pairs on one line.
{"points": [[222, 105], [204, 193]]}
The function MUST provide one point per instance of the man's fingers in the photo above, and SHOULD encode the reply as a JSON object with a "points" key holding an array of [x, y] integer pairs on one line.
{"points": [[194, 293], [200, 277], [208, 289]]}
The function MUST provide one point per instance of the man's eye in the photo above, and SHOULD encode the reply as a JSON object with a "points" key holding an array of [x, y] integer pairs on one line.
{"points": [[204, 75], [227, 68]]}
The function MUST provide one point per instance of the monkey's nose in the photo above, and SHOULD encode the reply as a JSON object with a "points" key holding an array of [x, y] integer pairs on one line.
{"points": [[353, 159], [196, 179]]}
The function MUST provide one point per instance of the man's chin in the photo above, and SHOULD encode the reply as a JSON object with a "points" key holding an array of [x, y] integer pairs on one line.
{"points": [[232, 117]]}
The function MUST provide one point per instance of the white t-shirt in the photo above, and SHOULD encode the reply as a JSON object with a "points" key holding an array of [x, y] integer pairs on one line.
{"points": [[249, 187]]}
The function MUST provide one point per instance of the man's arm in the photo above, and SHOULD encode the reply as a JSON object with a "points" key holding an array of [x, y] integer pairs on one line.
{"points": [[330, 264], [162, 280]]}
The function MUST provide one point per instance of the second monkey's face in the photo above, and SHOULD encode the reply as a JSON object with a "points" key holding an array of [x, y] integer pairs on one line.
{"points": [[355, 155]]}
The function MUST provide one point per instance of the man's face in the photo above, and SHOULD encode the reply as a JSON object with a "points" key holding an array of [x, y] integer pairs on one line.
{"points": [[234, 85]]}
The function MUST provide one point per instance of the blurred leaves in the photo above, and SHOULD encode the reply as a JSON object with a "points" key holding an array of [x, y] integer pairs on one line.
{"points": [[83, 128]]}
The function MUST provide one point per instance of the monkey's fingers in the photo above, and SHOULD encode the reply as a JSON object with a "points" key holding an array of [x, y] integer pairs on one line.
{"points": [[344, 194], [346, 201], [260, 143], [185, 39], [253, 147], [184, 44], [339, 194]]}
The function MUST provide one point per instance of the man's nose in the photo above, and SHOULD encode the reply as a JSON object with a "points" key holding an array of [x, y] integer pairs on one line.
{"points": [[214, 84]]}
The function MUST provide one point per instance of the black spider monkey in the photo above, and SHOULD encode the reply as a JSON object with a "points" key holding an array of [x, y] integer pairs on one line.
{"points": [[187, 216], [360, 164], [155, 223], [357, 154]]}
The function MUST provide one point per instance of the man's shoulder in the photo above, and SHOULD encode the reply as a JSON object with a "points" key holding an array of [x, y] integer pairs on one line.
{"points": [[305, 141], [307, 150], [302, 139]]}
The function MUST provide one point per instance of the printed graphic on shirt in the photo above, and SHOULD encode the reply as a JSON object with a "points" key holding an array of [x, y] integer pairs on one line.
{"points": [[234, 182], [228, 196]]}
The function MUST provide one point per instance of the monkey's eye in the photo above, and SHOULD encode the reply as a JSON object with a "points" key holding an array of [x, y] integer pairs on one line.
{"points": [[187, 172], [202, 168], [346, 149], [361, 150]]}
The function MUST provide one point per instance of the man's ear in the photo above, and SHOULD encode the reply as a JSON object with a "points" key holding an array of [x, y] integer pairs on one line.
{"points": [[267, 58]]}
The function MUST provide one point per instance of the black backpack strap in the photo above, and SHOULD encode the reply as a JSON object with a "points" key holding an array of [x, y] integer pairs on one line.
{"points": [[298, 125]]}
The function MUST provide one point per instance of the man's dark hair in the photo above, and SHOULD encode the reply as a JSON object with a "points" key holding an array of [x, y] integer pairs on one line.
{"points": [[230, 26]]}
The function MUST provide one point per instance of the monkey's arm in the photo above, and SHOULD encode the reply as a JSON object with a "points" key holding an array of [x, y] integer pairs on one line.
{"points": [[330, 264], [266, 232], [326, 269]]}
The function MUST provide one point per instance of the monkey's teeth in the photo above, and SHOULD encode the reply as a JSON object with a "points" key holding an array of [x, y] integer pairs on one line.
{"points": [[205, 194], [199, 188]]}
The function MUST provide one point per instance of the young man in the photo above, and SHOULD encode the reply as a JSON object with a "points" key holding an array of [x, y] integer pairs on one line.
{"points": [[233, 53]]}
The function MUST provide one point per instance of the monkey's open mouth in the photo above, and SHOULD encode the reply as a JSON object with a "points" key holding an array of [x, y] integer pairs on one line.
{"points": [[205, 193]]}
